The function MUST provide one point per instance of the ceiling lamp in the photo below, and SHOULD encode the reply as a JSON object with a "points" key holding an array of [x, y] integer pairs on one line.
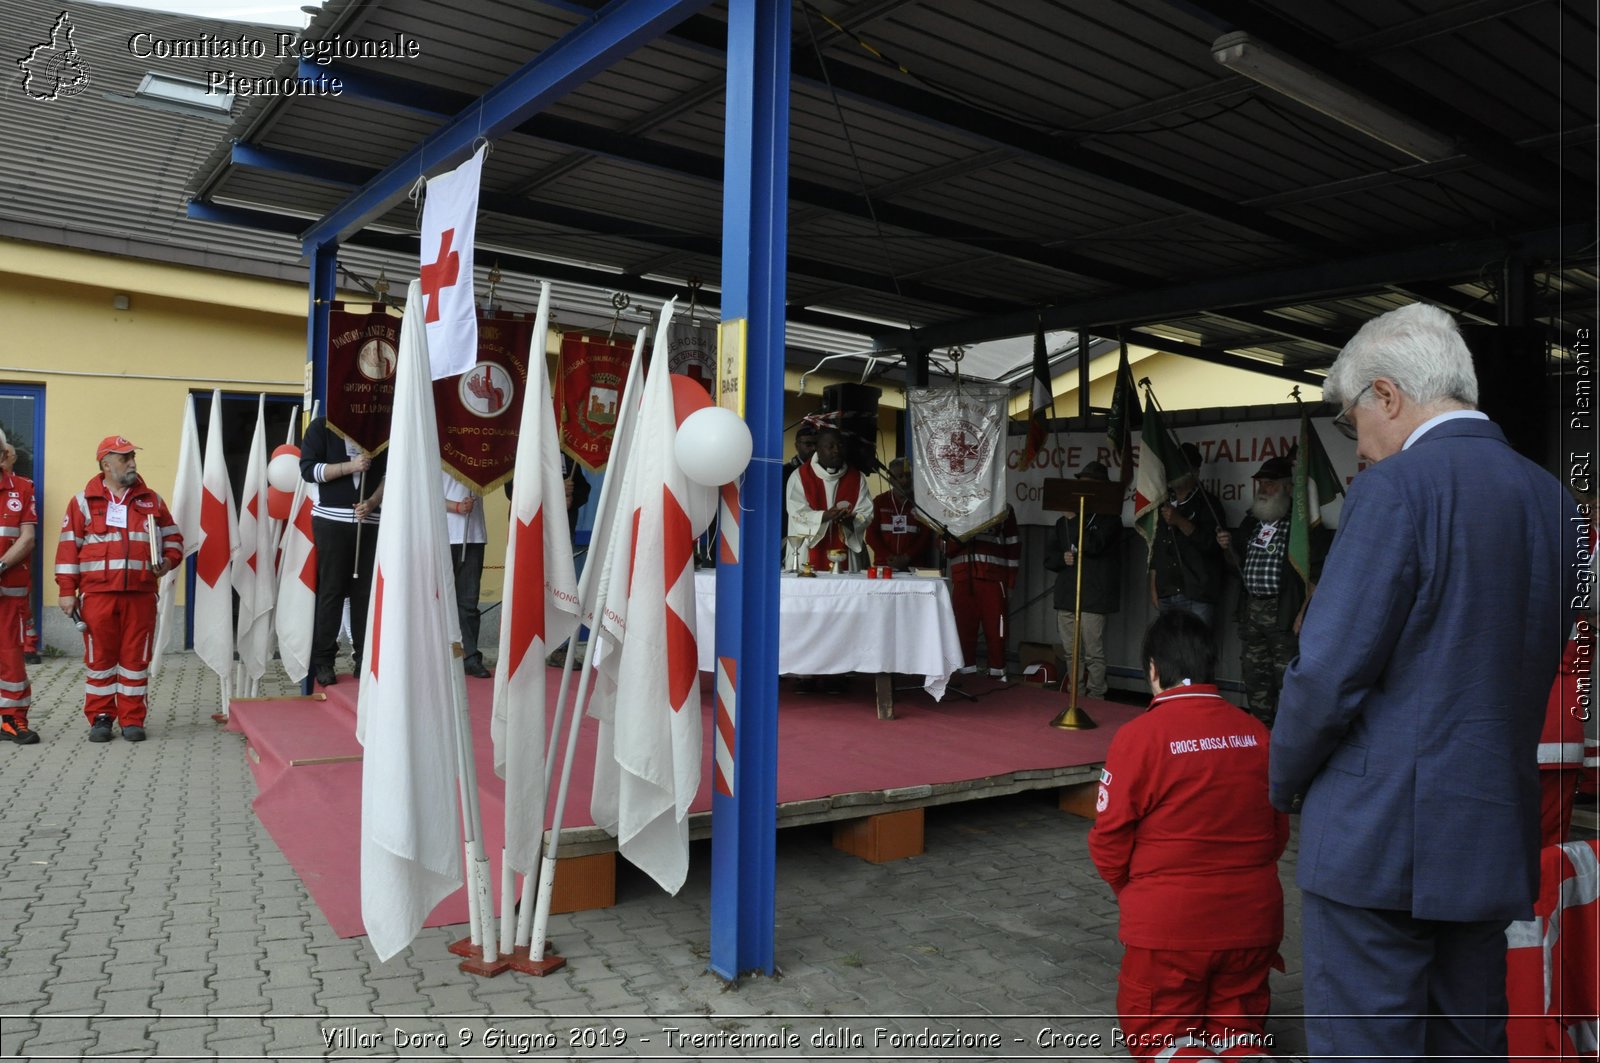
{"points": [[1243, 54]]}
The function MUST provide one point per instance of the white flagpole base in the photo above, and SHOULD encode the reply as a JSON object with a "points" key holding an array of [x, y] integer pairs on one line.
{"points": [[508, 917], [541, 917]]}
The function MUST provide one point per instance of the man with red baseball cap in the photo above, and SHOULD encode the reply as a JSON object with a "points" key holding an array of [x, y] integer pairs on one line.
{"points": [[117, 539]]}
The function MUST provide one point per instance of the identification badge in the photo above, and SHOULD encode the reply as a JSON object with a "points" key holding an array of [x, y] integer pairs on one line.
{"points": [[116, 515], [898, 524], [1265, 533]]}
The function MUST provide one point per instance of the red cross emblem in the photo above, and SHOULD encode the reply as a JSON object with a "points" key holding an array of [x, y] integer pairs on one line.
{"points": [[439, 274], [957, 452]]}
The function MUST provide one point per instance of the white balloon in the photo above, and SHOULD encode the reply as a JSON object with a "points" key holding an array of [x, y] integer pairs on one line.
{"points": [[713, 446], [283, 472]]}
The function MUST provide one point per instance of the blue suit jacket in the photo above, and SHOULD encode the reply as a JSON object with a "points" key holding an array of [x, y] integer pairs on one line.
{"points": [[1410, 720]]}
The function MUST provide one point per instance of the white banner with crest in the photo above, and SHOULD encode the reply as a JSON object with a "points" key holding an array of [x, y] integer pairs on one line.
{"points": [[958, 437]]}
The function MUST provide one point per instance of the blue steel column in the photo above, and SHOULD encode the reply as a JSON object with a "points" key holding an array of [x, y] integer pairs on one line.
{"points": [[754, 247], [324, 268]]}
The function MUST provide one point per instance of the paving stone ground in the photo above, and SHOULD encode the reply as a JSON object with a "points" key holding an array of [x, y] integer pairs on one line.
{"points": [[145, 912]]}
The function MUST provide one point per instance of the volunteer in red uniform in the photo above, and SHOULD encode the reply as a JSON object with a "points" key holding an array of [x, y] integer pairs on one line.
{"points": [[30, 639], [1188, 842], [827, 501], [897, 538], [1561, 761], [19, 522], [106, 576], [982, 572]]}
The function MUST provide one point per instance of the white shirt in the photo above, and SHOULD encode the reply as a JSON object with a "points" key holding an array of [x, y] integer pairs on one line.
{"points": [[463, 527], [1476, 415]]}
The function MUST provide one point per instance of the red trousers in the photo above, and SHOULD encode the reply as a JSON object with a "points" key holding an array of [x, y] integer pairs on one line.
{"points": [[116, 654], [16, 694], [1204, 1002], [980, 602]]}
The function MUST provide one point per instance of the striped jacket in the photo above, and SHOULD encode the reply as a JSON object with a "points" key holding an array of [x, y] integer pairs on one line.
{"points": [[992, 555], [16, 509], [92, 557]]}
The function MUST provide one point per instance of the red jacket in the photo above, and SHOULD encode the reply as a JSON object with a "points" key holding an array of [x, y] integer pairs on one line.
{"points": [[16, 509], [990, 555], [1185, 835], [895, 529], [92, 557], [1561, 742]]}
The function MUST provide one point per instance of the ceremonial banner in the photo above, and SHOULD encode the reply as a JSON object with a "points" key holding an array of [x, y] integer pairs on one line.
{"points": [[692, 352], [958, 435], [480, 410], [589, 380], [361, 359]]}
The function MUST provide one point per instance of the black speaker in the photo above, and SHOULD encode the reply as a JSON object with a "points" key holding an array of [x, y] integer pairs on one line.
{"points": [[853, 409]]}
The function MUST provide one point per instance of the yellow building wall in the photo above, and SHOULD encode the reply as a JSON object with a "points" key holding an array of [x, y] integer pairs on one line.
{"points": [[1179, 383], [107, 371]]}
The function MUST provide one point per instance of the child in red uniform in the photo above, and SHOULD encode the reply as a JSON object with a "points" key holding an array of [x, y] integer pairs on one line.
{"points": [[1189, 844]]}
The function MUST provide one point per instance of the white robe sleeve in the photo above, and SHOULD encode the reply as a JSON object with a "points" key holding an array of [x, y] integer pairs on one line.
{"points": [[804, 521]]}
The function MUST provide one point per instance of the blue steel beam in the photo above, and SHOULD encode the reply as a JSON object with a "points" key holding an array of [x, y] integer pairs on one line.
{"points": [[588, 49], [755, 237]]}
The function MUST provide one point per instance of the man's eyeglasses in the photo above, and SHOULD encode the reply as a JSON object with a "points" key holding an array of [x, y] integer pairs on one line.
{"points": [[1342, 422]]}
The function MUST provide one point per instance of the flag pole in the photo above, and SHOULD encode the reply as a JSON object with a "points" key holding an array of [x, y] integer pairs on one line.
{"points": [[480, 898], [537, 895], [1205, 496]]}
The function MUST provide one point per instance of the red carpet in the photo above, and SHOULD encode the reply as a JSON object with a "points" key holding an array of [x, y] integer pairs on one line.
{"points": [[310, 799]]}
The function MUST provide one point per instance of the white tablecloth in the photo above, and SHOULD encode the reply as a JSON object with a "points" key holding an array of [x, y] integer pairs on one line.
{"points": [[829, 625]]}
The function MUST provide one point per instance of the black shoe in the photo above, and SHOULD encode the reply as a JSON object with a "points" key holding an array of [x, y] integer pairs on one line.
{"points": [[13, 731], [32, 658], [101, 731], [326, 676], [355, 668], [476, 669], [133, 732]]}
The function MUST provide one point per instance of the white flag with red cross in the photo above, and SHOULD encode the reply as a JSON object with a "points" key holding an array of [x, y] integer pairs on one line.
{"points": [[449, 227], [411, 843], [297, 586], [219, 545], [647, 763], [185, 510], [539, 607], [254, 573]]}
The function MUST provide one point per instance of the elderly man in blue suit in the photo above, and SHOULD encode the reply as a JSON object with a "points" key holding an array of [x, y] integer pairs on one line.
{"points": [[1407, 727]]}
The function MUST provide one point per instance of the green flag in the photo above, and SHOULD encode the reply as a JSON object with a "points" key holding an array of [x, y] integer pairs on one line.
{"points": [[1315, 482], [1160, 460], [1125, 417]]}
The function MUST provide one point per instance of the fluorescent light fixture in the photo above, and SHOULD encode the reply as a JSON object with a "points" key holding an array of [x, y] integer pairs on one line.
{"points": [[185, 95], [1286, 75]]}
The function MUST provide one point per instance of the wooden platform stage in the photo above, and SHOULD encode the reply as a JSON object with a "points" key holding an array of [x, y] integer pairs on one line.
{"points": [[837, 762]]}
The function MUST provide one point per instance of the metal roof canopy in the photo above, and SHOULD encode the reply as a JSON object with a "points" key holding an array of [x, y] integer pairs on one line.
{"points": [[1091, 161]]}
